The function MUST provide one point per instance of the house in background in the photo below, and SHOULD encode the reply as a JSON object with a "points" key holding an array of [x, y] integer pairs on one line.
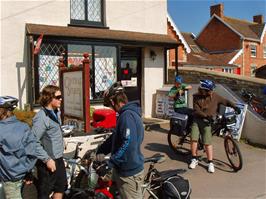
{"points": [[224, 34], [116, 35], [225, 44]]}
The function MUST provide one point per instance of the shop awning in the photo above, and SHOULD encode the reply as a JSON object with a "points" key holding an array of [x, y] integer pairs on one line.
{"points": [[100, 34]]}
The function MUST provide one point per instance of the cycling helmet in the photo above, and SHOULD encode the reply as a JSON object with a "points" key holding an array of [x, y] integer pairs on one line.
{"points": [[8, 102], [178, 79], [207, 84], [111, 92]]}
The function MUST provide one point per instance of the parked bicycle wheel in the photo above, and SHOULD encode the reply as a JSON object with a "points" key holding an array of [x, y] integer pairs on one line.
{"points": [[233, 153], [179, 144]]}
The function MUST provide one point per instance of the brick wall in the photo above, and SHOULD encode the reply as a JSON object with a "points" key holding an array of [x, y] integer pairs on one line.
{"points": [[218, 37], [234, 82]]}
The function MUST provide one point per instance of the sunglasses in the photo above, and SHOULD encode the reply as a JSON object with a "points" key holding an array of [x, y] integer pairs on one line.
{"points": [[58, 97]]}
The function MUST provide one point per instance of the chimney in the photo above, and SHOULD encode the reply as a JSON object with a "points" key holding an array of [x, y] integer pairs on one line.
{"points": [[258, 19], [218, 10]]}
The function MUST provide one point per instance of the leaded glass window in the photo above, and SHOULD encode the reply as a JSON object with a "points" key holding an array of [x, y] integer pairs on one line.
{"points": [[87, 12], [105, 72]]}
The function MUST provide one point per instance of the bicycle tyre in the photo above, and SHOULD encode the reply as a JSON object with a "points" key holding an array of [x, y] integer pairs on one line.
{"points": [[233, 152], [179, 144]]}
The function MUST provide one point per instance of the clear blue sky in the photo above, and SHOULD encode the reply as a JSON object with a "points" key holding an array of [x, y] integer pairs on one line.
{"points": [[193, 15]]}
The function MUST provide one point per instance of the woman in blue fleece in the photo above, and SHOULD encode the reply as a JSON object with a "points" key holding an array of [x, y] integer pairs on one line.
{"points": [[124, 145], [17, 149]]}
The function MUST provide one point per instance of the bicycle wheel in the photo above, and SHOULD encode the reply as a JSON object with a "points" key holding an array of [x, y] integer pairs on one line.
{"points": [[179, 144], [233, 153]]}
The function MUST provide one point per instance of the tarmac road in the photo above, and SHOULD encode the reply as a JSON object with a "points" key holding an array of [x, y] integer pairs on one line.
{"points": [[250, 182]]}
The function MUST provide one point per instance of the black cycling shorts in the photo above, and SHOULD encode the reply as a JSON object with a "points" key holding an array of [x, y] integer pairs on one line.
{"points": [[48, 181]]}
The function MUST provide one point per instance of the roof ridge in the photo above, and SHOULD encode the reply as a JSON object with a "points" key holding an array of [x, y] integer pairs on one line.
{"points": [[242, 20]]}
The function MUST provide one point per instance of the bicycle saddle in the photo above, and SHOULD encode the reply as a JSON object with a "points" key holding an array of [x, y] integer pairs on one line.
{"points": [[156, 158]]}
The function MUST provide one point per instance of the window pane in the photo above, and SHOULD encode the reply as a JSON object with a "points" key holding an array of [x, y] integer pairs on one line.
{"points": [[253, 51], [94, 10], [77, 9], [105, 69], [75, 54], [48, 64]]}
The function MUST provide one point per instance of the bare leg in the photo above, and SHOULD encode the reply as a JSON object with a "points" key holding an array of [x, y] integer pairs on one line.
{"points": [[194, 148], [57, 195], [209, 152]]}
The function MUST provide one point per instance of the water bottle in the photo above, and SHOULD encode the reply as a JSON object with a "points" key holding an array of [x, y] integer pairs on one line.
{"points": [[93, 177]]}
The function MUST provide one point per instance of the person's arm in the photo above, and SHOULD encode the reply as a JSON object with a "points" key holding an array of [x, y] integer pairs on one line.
{"points": [[38, 129], [197, 109], [225, 102], [105, 147], [128, 127], [172, 93]]}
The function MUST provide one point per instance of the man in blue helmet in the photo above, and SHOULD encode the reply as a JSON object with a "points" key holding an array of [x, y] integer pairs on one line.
{"points": [[264, 93], [206, 104]]}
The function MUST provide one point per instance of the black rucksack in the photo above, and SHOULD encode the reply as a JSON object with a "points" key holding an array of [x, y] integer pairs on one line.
{"points": [[176, 187]]}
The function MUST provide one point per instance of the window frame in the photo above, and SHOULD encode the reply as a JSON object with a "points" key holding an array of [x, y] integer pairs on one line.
{"points": [[253, 50], [228, 70], [264, 51], [253, 67], [36, 84], [86, 22]]}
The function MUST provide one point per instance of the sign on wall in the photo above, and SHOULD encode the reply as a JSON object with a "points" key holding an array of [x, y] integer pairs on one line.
{"points": [[73, 93]]}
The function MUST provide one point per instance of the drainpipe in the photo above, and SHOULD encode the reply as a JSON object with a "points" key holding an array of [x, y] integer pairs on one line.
{"points": [[243, 57], [176, 60]]}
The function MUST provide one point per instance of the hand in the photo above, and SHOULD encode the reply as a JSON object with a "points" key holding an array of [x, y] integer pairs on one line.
{"points": [[28, 179], [100, 157], [210, 118], [237, 110], [50, 164], [103, 169]]}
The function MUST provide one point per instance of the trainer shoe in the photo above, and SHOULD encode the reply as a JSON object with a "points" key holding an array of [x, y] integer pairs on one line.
{"points": [[193, 164], [211, 168]]}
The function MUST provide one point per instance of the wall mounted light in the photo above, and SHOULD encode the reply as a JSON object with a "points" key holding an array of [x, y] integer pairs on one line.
{"points": [[152, 55]]}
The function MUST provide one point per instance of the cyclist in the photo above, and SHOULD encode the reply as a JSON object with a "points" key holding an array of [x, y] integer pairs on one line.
{"points": [[124, 144], [205, 103], [177, 93], [17, 148], [264, 93], [50, 146]]}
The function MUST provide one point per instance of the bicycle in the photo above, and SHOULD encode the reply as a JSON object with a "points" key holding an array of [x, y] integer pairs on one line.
{"points": [[154, 179], [223, 126], [255, 103]]}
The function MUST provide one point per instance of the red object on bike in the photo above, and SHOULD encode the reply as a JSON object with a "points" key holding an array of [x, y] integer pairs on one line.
{"points": [[105, 118], [103, 188]]}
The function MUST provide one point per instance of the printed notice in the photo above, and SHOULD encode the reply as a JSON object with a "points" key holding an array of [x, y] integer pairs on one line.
{"points": [[73, 95]]}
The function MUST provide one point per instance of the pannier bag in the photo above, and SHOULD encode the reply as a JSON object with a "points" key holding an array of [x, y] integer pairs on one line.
{"points": [[178, 123], [176, 187]]}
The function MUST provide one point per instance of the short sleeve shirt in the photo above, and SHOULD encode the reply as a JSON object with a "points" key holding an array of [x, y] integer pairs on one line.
{"points": [[180, 100]]}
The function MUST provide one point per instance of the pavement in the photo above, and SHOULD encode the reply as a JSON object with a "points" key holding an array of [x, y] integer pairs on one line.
{"points": [[248, 183]]}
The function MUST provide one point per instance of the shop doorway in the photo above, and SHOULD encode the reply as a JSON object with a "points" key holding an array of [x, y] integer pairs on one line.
{"points": [[129, 72]]}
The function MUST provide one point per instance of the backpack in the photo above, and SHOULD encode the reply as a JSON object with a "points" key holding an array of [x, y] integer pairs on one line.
{"points": [[176, 187], [178, 123]]}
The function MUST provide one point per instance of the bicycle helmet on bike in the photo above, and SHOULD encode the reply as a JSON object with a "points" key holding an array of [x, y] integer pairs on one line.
{"points": [[207, 84], [111, 92], [8, 102], [178, 79]]}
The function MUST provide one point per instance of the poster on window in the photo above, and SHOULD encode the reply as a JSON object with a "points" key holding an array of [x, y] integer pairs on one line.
{"points": [[73, 95]]}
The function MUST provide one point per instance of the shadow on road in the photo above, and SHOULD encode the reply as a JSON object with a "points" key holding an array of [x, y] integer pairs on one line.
{"points": [[203, 162], [163, 148]]}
